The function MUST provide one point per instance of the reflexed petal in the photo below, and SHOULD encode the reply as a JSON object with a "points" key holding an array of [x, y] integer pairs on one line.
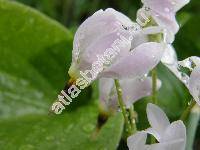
{"points": [[157, 119], [172, 145], [88, 33], [123, 19], [132, 90], [105, 87], [176, 131], [163, 11], [169, 56], [162, 5], [168, 21], [100, 46], [96, 26], [135, 89], [178, 4], [137, 141], [95, 53], [194, 84], [139, 62]]}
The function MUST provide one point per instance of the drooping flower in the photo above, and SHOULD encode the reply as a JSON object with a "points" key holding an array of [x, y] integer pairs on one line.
{"points": [[163, 15], [170, 136], [132, 91], [104, 46]]}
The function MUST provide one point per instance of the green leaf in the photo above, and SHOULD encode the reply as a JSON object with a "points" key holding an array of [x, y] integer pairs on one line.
{"points": [[35, 53], [69, 131], [173, 95]]}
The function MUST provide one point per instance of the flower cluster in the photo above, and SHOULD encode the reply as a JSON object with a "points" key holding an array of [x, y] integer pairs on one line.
{"points": [[108, 45]]}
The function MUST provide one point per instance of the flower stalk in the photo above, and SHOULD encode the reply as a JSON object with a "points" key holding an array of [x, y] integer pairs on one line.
{"points": [[123, 108], [187, 111], [154, 86], [154, 94], [133, 117]]}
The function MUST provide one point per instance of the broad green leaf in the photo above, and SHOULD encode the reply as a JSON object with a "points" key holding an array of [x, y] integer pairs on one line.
{"points": [[35, 53], [71, 131]]}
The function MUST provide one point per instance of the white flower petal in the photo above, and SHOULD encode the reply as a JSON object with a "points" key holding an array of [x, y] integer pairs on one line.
{"points": [[164, 11], [96, 26], [178, 4], [158, 5], [138, 39], [157, 119], [120, 17], [165, 6], [176, 131], [105, 87], [100, 46], [132, 90], [169, 56], [194, 84], [168, 22], [173, 145], [137, 141], [139, 62], [135, 89]]}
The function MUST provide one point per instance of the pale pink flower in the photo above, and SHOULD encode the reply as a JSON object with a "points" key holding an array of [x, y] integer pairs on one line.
{"points": [[98, 33], [170, 136]]}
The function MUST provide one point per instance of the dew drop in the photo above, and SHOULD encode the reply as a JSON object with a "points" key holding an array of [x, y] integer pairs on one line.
{"points": [[188, 63], [142, 78], [189, 103], [146, 8], [184, 78], [119, 109]]}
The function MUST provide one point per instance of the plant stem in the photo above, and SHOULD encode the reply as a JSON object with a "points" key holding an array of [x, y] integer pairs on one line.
{"points": [[133, 119], [154, 86], [154, 94], [186, 113], [123, 108]]}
